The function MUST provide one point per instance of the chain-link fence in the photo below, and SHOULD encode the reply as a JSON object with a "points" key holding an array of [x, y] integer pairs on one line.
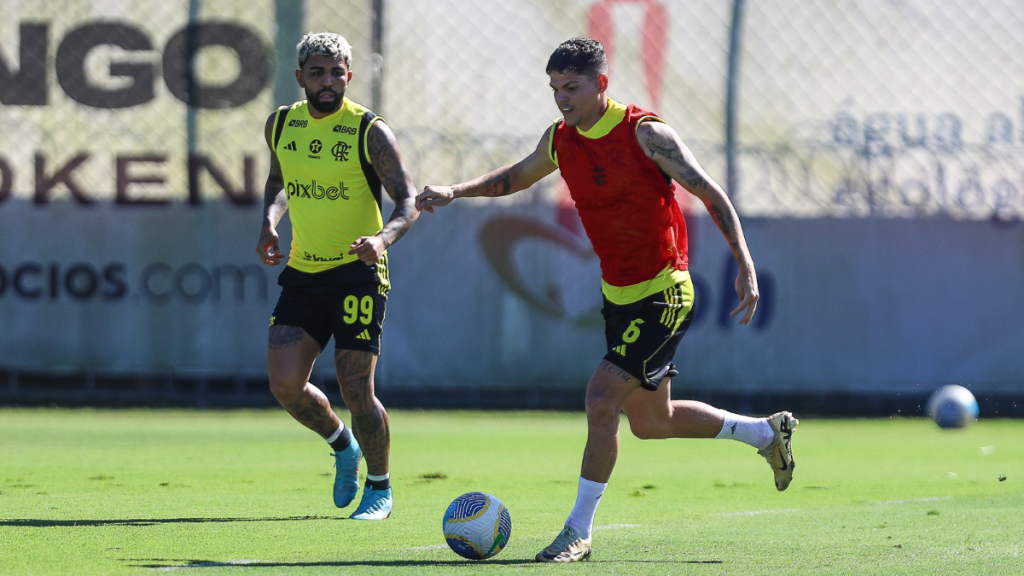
{"points": [[867, 144], [839, 109]]}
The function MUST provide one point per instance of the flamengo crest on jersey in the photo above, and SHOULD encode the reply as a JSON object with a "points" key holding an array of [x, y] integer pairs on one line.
{"points": [[627, 204], [333, 192]]}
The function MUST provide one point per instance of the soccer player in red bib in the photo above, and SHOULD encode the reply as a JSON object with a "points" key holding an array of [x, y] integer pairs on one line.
{"points": [[619, 163]]}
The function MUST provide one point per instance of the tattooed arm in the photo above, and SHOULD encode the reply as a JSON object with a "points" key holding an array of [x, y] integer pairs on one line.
{"points": [[275, 204], [501, 182], [663, 145], [382, 148]]}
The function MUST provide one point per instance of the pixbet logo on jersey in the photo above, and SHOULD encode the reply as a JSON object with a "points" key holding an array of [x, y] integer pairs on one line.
{"points": [[297, 189]]}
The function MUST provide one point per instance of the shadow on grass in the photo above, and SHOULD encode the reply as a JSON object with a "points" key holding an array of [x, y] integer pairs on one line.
{"points": [[28, 522], [168, 563], [159, 563]]}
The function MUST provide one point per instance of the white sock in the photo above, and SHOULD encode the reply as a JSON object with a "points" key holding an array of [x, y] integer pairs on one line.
{"points": [[372, 478], [336, 433], [588, 497], [756, 432]]}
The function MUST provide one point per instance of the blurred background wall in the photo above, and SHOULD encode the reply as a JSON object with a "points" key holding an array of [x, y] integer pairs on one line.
{"points": [[874, 149]]}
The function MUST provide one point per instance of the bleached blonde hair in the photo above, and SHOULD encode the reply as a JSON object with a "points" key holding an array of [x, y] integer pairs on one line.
{"points": [[324, 44]]}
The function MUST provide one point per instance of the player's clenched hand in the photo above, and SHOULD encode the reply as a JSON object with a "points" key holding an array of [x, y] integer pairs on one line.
{"points": [[434, 196], [268, 246], [746, 287], [368, 248]]}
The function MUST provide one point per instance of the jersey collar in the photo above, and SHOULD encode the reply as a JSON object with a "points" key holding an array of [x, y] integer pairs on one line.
{"points": [[611, 118]]}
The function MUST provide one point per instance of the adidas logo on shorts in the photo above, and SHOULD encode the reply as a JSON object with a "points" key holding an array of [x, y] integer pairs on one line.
{"points": [[364, 335]]}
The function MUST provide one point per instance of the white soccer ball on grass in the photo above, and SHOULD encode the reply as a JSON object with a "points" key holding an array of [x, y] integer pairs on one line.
{"points": [[477, 525], [952, 407]]}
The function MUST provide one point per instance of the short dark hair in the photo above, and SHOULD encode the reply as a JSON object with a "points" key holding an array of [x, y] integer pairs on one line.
{"points": [[578, 56]]}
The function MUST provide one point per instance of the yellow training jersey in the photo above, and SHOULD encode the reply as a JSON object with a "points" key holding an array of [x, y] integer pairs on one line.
{"points": [[333, 192]]}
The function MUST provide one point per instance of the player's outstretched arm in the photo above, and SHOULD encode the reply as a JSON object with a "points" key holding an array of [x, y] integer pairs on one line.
{"points": [[666, 148], [275, 204], [501, 182], [386, 158]]}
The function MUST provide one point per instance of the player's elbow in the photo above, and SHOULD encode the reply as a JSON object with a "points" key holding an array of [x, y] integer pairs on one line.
{"points": [[517, 180], [525, 174]]}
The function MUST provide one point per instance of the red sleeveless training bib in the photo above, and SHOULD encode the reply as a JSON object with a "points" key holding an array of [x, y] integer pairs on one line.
{"points": [[625, 201]]}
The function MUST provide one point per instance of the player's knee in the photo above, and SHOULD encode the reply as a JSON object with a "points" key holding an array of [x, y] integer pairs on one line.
{"points": [[284, 388], [601, 406], [360, 408], [359, 400], [278, 388]]}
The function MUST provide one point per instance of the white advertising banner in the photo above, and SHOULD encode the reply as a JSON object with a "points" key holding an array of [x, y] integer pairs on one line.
{"points": [[487, 296]]}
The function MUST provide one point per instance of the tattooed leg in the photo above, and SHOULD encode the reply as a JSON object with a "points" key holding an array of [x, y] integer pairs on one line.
{"points": [[312, 408], [369, 419], [607, 391], [290, 356]]}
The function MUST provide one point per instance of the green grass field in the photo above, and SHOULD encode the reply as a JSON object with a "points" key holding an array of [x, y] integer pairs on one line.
{"points": [[248, 492]]}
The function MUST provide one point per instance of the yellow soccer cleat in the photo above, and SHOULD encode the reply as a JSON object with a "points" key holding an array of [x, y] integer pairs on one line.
{"points": [[779, 453], [569, 546]]}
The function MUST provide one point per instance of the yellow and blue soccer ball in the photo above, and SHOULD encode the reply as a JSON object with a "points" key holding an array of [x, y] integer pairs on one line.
{"points": [[952, 407], [477, 525]]}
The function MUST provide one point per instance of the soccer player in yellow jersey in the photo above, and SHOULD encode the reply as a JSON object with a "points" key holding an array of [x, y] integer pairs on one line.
{"points": [[329, 159]]}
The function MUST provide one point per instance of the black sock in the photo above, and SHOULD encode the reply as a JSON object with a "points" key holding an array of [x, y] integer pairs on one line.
{"points": [[343, 441], [378, 484]]}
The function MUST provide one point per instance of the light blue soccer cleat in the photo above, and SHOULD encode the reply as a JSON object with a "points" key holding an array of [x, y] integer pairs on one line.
{"points": [[375, 505], [346, 473]]}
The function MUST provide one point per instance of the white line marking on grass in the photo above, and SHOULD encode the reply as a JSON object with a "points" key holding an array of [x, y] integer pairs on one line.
{"points": [[616, 526], [910, 500], [757, 512]]}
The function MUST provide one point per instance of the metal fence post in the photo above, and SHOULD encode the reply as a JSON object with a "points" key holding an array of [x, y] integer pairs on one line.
{"points": [[731, 89], [289, 16]]}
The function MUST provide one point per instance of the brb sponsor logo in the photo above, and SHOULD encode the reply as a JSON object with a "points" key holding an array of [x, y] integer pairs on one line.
{"points": [[114, 282], [297, 189]]}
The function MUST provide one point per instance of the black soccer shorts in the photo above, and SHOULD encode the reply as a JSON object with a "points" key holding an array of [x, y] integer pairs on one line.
{"points": [[347, 302], [643, 336]]}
